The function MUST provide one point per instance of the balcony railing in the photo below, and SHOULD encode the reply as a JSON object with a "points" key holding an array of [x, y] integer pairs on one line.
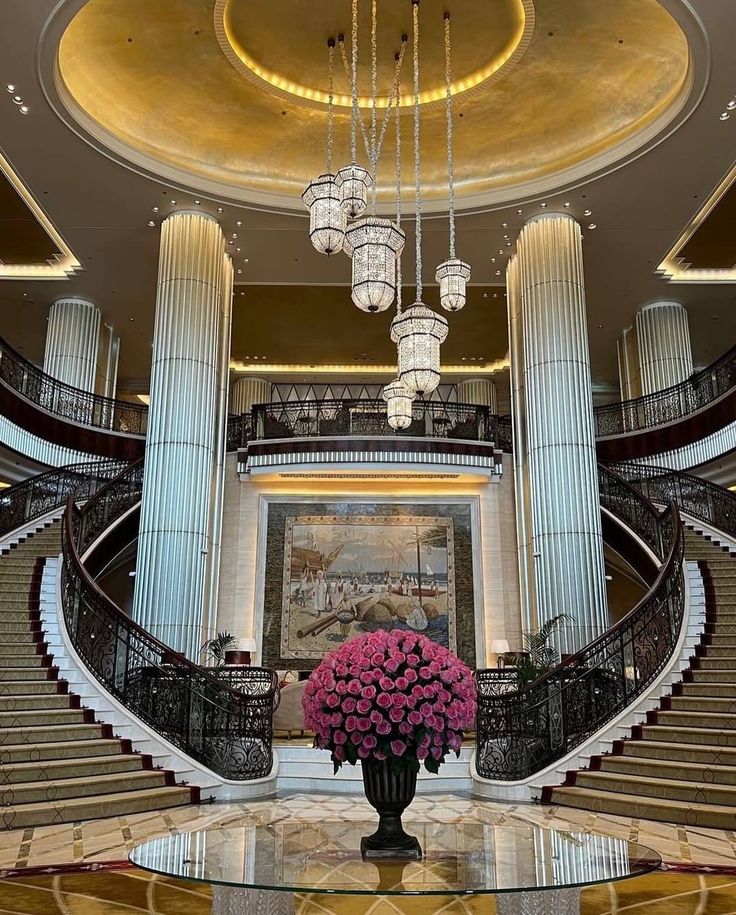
{"points": [[671, 404], [522, 731], [37, 496], [225, 724], [67, 402]]}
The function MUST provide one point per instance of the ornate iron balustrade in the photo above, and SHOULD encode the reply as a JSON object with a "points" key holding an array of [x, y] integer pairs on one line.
{"points": [[671, 404], [698, 498], [35, 497], [68, 402], [521, 732], [223, 724], [367, 417]]}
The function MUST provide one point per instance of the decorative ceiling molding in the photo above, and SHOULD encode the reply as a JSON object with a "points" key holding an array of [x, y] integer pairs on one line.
{"points": [[61, 264], [698, 238]]}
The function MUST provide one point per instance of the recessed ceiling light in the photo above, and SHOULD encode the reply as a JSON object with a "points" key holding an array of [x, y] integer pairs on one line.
{"points": [[131, 319], [504, 225], [520, 211], [220, 210], [543, 204], [498, 273], [24, 109], [731, 105], [231, 242], [495, 295], [10, 87], [500, 250], [493, 260], [151, 222], [508, 244], [506, 236], [239, 270], [238, 250], [485, 295], [725, 116], [592, 225], [18, 99], [238, 224], [567, 203], [172, 202], [245, 260], [234, 235], [154, 209], [198, 203]]}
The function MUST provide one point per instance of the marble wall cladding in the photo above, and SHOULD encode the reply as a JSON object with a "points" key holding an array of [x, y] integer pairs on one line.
{"points": [[278, 512], [487, 580]]}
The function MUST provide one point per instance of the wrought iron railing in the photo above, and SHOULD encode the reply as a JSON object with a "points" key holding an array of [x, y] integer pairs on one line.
{"points": [[696, 497], [225, 726], [37, 496], [367, 417], [68, 402], [520, 731], [671, 404]]}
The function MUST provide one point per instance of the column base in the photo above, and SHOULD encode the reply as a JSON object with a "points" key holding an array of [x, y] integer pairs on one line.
{"points": [[539, 902]]}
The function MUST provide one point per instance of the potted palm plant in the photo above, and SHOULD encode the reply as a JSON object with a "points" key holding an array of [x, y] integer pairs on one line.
{"points": [[539, 656], [214, 650]]}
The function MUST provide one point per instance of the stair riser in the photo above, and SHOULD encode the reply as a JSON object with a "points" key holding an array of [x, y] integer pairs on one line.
{"points": [[81, 768], [50, 793], [41, 702], [689, 736], [704, 818], [10, 737], [690, 793], [702, 774], [702, 704], [23, 753]]}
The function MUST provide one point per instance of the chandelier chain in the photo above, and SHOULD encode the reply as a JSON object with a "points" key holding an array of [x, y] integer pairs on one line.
{"points": [[374, 92], [354, 84], [418, 187], [450, 151], [330, 103], [398, 191]]}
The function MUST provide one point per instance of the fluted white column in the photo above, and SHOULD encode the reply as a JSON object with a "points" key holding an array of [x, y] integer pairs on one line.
{"points": [[72, 341], [527, 588], [663, 342], [107, 361], [627, 352], [563, 499], [480, 391], [249, 391], [184, 425]]}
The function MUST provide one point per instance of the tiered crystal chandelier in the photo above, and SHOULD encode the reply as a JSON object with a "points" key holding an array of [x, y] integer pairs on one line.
{"points": [[453, 274], [338, 221]]}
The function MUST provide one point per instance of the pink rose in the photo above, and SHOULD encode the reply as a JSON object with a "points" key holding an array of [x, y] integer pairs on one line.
{"points": [[340, 737], [415, 718], [370, 742], [386, 684], [396, 714], [339, 754], [376, 717], [398, 747], [366, 676], [341, 687], [354, 687], [436, 753], [413, 660], [348, 705], [383, 700], [379, 754], [364, 706], [356, 738], [341, 670], [425, 673], [364, 724], [410, 675], [351, 723], [332, 701], [335, 719], [368, 692], [383, 728], [398, 700], [392, 665], [403, 684], [406, 728], [422, 753]]}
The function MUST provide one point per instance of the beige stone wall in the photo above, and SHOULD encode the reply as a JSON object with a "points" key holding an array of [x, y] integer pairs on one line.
{"points": [[497, 603]]}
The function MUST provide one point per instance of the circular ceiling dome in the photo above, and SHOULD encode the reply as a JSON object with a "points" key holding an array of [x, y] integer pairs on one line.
{"points": [[228, 96]]}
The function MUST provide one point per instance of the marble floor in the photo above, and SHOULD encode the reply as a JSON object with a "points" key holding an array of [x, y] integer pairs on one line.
{"points": [[108, 841]]}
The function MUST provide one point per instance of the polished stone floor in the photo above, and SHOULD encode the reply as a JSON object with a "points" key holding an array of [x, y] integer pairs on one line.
{"points": [[111, 840], [131, 891]]}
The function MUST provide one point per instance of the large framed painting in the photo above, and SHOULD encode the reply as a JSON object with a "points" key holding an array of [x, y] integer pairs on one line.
{"points": [[337, 570]]}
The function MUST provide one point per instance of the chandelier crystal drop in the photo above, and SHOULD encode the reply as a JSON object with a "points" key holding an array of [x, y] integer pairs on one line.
{"points": [[374, 244], [399, 402], [353, 183], [327, 220], [453, 276], [418, 333]]}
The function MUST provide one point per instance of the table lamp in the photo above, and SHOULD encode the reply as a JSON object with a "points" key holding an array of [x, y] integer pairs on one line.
{"points": [[241, 656], [499, 647]]}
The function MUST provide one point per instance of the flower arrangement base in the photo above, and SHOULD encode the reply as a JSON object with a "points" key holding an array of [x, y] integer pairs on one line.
{"points": [[389, 788]]}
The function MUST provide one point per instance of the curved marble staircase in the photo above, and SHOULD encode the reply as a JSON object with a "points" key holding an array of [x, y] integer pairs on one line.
{"points": [[57, 762], [679, 767]]}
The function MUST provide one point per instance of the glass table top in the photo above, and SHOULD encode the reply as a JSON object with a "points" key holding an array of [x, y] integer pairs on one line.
{"points": [[459, 858]]}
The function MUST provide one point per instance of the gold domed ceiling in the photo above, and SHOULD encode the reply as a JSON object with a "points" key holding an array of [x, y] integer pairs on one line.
{"points": [[228, 95]]}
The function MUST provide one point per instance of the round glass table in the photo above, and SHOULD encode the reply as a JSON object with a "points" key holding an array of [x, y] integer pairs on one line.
{"points": [[259, 868]]}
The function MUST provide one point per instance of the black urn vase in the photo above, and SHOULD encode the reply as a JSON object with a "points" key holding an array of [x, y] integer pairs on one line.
{"points": [[390, 787]]}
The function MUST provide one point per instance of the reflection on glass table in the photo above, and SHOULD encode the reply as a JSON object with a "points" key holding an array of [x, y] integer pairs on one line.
{"points": [[259, 868]]}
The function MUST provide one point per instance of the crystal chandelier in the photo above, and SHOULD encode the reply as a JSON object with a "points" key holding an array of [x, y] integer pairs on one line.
{"points": [[322, 196], [399, 402], [453, 274], [419, 331], [374, 244]]}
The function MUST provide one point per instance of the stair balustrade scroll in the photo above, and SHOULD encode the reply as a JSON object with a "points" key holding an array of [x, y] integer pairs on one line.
{"points": [[521, 731], [223, 722]]}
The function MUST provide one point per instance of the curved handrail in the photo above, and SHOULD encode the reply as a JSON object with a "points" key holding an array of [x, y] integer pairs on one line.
{"points": [[521, 731], [367, 417], [37, 496], [696, 497], [670, 404], [226, 729], [67, 402]]}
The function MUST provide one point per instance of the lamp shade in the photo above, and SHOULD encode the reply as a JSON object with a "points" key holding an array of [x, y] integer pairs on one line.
{"points": [[353, 182], [453, 276], [247, 645], [374, 244], [327, 219], [398, 404], [499, 646], [419, 331]]}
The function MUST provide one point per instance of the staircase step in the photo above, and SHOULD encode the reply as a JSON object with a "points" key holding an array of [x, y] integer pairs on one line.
{"points": [[21, 661], [714, 704], [42, 717], [29, 687], [711, 675], [38, 672], [689, 735], [719, 663], [708, 688], [60, 749], [49, 733], [663, 750], [34, 702], [663, 788], [645, 768], [710, 816], [77, 767], [93, 786], [17, 649], [111, 805]]}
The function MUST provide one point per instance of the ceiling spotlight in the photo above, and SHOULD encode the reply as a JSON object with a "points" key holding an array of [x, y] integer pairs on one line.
{"points": [[519, 211], [485, 295], [198, 203], [498, 273], [500, 250], [493, 260], [220, 210], [239, 270], [731, 105], [238, 224], [506, 236], [24, 109], [567, 203], [238, 250], [504, 225], [508, 244], [245, 260], [592, 225], [151, 223], [131, 319], [725, 116], [234, 235], [10, 87], [154, 209], [231, 242], [543, 204], [172, 202], [587, 212]]}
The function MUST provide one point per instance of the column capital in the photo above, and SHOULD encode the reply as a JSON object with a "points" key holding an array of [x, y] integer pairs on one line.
{"points": [[550, 215], [189, 212]]}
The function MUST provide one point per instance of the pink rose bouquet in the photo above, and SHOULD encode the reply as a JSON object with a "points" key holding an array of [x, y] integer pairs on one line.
{"points": [[390, 695]]}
